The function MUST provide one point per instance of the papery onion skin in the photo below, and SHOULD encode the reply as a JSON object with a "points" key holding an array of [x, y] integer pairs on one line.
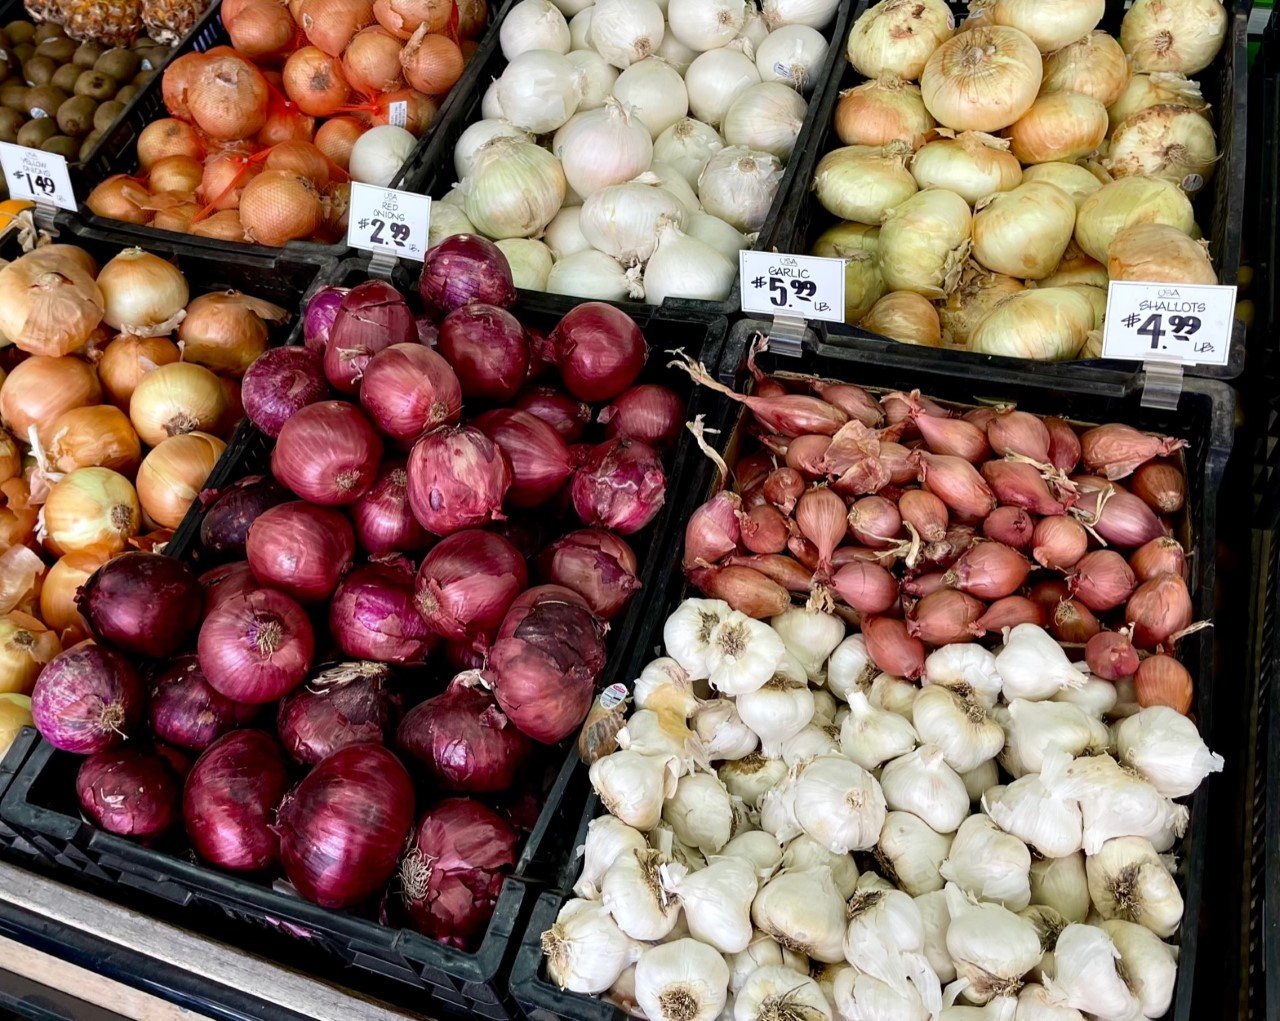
{"points": [[650, 413], [372, 616], [599, 351], [229, 800], [300, 549], [467, 583], [349, 704], [982, 80], [221, 583], [373, 316], [129, 791], [321, 311], [383, 519], [540, 460], [488, 348], [597, 565], [327, 453], [143, 603], [185, 710], [87, 699], [408, 389], [341, 829], [225, 526], [462, 269], [458, 478], [621, 486], [567, 416], [279, 383], [256, 647]]}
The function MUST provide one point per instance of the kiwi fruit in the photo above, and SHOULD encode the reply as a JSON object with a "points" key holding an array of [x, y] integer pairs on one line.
{"points": [[48, 30], [121, 64], [95, 85], [75, 116], [62, 145], [8, 64], [10, 123], [23, 52], [14, 97], [60, 50], [86, 146], [65, 77], [5, 41], [39, 70], [46, 98], [142, 77], [20, 32], [106, 114], [126, 94], [35, 133]]}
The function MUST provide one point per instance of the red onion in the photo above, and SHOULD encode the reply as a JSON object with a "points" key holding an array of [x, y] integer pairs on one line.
{"points": [[372, 616], [598, 349], [650, 413], [384, 520], [346, 704], [301, 549], [462, 269], [281, 382], [229, 801], [560, 411], [87, 699], [453, 871], [187, 712], [464, 656], [342, 828], [713, 530], [372, 316], [546, 661], [463, 740], [178, 760], [321, 311], [225, 525], [458, 478], [408, 389], [142, 603], [226, 581], [539, 458], [892, 648], [256, 648], [594, 563], [620, 487], [488, 349], [129, 791], [467, 583], [327, 453]]}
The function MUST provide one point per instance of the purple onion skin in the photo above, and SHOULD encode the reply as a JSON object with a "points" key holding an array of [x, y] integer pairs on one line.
{"points": [[145, 604], [186, 711], [428, 331], [282, 381], [131, 792], [372, 616], [226, 524], [88, 699], [319, 718], [463, 269], [318, 319], [383, 519], [621, 486]]}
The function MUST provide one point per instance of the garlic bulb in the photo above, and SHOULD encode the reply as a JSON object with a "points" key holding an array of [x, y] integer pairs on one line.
{"points": [[825, 708], [1033, 666], [1166, 748], [1118, 803], [885, 939], [811, 636], [849, 668], [913, 851], [722, 732], [751, 777], [959, 727], [632, 893], [662, 734], [1036, 1003], [622, 994], [633, 786], [894, 694], [664, 686], [1148, 964], [774, 992], [716, 901], [743, 654], [806, 853], [663, 838], [966, 668], [601, 147], [838, 803], [738, 185], [1129, 881], [763, 951], [1060, 883], [871, 737], [1033, 809], [860, 997], [922, 783], [1086, 977], [978, 781], [621, 220], [991, 946], [778, 810], [758, 849], [989, 864], [826, 974], [1034, 729], [607, 838], [585, 949], [803, 911], [686, 634], [701, 812], [810, 743], [681, 981], [935, 918], [1096, 697], [684, 267]]}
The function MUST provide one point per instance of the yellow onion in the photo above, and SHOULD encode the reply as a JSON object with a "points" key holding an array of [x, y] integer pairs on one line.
{"points": [[175, 399], [1048, 324], [91, 509], [15, 713], [1162, 36], [49, 303], [862, 183], [982, 80], [898, 36], [58, 593], [144, 293], [99, 435], [923, 243], [906, 317], [225, 331], [1097, 298], [1059, 126], [1129, 201], [1154, 253], [1093, 66], [858, 245], [972, 164], [1075, 268], [10, 457], [1023, 233], [880, 111], [977, 293], [1075, 179], [21, 575], [1154, 88], [127, 359], [40, 389], [18, 516], [26, 645], [173, 474], [1050, 24], [1166, 141]]}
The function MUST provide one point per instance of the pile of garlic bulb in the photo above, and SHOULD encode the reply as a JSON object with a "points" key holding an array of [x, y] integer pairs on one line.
{"points": [[792, 836], [631, 149]]}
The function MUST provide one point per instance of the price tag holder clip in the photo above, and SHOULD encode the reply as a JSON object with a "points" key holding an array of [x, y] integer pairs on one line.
{"points": [[1161, 384], [789, 290], [389, 224]]}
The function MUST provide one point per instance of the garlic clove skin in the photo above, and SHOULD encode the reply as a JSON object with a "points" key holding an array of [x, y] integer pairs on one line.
{"points": [[935, 918], [716, 901], [607, 838], [965, 668], [1128, 880], [663, 685], [806, 853], [810, 743], [1061, 884], [1148, 964], [1116, 802], [686, 634], [633, 894], [959, 726], [1033, 809], [1096, 696], [804, 912], [762, 951], [743, 654], [825, 707], [838, 803], [701, 812], [1032, 729], [780, 708], [885, 939], [1032, 665], [980, 780], [664, 733], [585, 949], [989, 864], [1166, 748], [723, 734], [991, 946], [860, 997], [1085, 973], [1036, 1003], [870, 736], [633, 787], [681, 981], [811, 636], [895, 694], [758, 849], [776, 991], [914, 852], [850, 668], [922, 783], [752, 777], [663, 838]]}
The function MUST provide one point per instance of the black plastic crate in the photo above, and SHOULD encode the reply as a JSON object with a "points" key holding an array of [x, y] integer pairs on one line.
{"points": [[1220, 208], [1204, 418], [12, 843], [431, 169]]}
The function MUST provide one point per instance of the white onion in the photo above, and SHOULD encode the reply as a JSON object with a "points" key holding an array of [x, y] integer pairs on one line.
{"points": [[622, 220], [625, 31], [715, 79], [464, 151], [593, 274], [767, 117], [754, 31], [792, 55], [602, 147], [1182, 37], [580, 29], [595, 77], [897, 37], [514, 189], [564, 234], [684, 267], [538, 91], [447, 219], [738, 185], [655, 92], [572, 8], [667, 177], [675, 53], [721, 236], [490, 108], [814, 13], [530, 261], [686, 146], [379, 154], [705, 24], [533, 25]]}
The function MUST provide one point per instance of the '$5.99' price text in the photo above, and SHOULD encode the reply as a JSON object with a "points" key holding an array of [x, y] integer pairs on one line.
{"points": [[803, 290]]}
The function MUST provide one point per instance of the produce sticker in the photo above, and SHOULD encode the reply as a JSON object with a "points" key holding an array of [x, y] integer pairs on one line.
{"points": [[807, 286], [1186, 323], [384, 220], [37, 175]]}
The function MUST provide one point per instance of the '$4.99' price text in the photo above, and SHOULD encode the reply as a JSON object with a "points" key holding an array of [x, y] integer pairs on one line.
{"points": [[1156, 327]]}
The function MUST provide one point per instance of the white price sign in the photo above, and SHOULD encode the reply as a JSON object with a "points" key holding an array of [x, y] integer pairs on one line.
{"points": [[792, 285], [1187, 323], [383, 220], [36, 175]]}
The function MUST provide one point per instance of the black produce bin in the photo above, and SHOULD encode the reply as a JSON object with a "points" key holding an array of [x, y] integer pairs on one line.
{"points": [[431, 171], [12, 843], [1204, 418], [445, 981], [1220, 208]]}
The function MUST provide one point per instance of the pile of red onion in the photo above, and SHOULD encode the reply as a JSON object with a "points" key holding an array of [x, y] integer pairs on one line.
{"points": [[929, 524]]}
